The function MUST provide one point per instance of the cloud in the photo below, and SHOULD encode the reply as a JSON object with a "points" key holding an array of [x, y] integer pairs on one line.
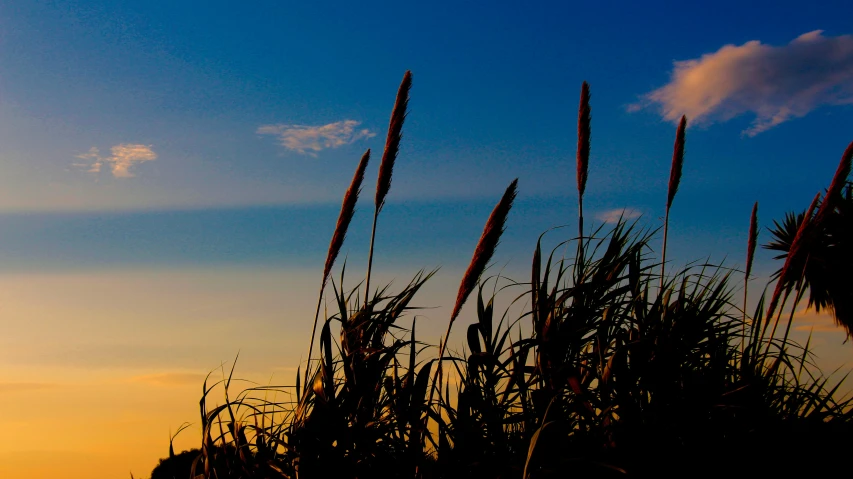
{"points": [[306, 139], [612, 216], [773, 83], [170, 379], [124, 156], [807, 319], [93, 158]]}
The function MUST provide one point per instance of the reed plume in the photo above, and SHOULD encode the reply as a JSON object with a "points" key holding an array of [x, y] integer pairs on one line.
{"points": [[834, 191], [344, 218], [386, 167], [486, 247], [750, 256], [793, 255], [674, 180], [583, 150]]}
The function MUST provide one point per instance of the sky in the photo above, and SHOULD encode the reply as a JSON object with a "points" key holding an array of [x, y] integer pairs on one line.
{"points": [[171, 172]]}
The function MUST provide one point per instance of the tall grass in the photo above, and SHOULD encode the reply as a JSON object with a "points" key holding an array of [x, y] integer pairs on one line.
{"points": [[752, 242], [582, 156], [386, 167], [672, 187], [607, 370]]}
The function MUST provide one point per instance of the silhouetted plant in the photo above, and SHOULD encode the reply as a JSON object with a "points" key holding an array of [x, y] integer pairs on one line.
{"points": [[823, 257], [610, 368]]}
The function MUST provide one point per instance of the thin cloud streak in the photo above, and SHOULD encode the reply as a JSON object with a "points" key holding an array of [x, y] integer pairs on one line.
{"points": [[807, 319], [123, 158], [613, 216], [306, 139], [93, 158], [774, 83]]}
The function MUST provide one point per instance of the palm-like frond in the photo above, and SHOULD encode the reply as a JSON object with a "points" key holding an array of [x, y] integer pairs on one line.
{"points": [[825, 266]]}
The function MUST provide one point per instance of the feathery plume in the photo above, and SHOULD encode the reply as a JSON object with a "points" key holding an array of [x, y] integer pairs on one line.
{"points": [[834, 191], [677, 162], [344, 218], [583, 139], [582, 155], [392, 142], [674, 180], [485, 247], [386, 167], [793, 255], [482, 255], [753, 238], [750, 256]]}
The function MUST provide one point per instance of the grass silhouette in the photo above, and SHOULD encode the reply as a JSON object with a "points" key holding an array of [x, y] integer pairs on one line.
{"points": [[612, 368]]}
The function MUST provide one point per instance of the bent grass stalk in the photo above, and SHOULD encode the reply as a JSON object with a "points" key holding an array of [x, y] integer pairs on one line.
{"points": [[483, 253], [793, 254], [838, 180], [811, 224]]}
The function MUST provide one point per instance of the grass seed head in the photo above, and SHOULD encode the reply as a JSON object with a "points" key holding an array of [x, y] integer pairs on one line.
{"points": [[677, 162], [345, 216], [838, 181], [753, 238], [583, 138], [392, 142], [485, 247]]}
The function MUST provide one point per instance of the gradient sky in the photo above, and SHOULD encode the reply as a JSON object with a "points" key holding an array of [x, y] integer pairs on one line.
{"points": [[170, 173]]}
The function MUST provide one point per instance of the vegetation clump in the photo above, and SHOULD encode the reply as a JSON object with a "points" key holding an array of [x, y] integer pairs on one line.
{"points": [[613, 367]]}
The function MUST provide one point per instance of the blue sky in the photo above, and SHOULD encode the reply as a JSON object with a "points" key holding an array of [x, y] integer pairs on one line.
{"points": [[174, 169], [496, 87]]}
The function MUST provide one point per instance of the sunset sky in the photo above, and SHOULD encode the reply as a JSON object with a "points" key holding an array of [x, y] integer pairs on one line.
{"points": [[171, 172]]}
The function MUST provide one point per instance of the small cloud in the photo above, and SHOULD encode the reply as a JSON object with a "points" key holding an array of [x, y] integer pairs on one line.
{"points": [[124, 156], [774, 83], [23, 387], [613, 216], [93, 161], [306, 139], [807, 319], [170, 379]]}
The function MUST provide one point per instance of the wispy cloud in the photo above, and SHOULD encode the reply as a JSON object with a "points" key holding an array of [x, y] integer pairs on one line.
{"points": [[307, 139], [123, 157], [774, 83], [807, 319], [93, 160], [170, 379], [612, 216]]}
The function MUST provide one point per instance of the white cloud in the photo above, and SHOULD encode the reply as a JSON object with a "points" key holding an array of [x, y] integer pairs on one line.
{"points": [[311, 139], [612, 216], [126, 155], [123, 158], [774, 83]]}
